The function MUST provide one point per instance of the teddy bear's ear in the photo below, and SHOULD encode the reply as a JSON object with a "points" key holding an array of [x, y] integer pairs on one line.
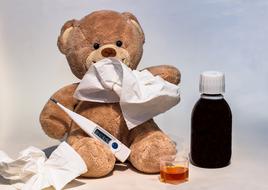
{"points": [[64, 34], [136, 23]]}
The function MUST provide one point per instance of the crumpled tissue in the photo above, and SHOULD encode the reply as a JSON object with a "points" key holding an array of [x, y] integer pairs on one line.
{"points": [[33, 171], [140, 94]]}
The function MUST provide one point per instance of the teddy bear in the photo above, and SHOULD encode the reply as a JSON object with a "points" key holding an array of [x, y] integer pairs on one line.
{"points": [[102, 34]]}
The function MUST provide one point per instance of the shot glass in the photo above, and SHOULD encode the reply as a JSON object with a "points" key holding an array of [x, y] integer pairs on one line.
{"points": [[174, 169]]}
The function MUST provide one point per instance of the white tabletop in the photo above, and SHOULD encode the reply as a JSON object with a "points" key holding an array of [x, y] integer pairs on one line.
{"points": [[245, 172]]}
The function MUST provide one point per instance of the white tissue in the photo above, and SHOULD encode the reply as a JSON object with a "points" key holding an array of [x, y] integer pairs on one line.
{"points": [[33, 171], [140, 94]]}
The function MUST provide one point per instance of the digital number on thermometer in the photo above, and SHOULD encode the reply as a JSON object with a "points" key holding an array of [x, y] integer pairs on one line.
{"points": [[103, 136]]}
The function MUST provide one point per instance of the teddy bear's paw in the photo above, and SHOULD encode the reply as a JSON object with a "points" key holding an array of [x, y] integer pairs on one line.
{"points": [[145, 154], [98, 158], [167, 72]]}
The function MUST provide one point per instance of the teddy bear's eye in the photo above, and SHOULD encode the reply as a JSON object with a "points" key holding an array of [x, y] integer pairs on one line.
{"points": [[96, 46], [119, 43]]}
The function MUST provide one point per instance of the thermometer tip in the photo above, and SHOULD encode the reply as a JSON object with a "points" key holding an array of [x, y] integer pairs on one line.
{"points": [[53, 100]]}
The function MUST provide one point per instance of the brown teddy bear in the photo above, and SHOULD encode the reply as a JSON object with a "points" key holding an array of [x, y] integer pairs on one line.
{"points": [[99, 35]]}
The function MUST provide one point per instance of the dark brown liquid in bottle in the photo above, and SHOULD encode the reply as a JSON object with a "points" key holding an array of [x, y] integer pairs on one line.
{"points": [[211, 132]]}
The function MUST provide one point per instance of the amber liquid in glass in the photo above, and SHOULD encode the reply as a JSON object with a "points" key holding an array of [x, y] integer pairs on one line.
{"points": [[174, 174]]}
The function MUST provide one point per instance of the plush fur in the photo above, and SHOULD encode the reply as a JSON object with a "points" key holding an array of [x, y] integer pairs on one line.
{"points": [[85, 42]]}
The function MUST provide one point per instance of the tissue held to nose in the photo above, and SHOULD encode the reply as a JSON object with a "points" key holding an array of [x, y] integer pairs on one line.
{"points": [[137, 92]]}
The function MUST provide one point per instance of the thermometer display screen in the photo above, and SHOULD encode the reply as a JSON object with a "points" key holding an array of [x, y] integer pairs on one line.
{"points": [[104, 137]]}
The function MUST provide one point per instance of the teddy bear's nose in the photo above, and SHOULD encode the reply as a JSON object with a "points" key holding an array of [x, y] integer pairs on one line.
{"points": [[108, 52]]}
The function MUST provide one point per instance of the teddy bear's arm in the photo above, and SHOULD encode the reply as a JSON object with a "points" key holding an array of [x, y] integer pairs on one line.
{"points": [[54, 121], [167, 72]]}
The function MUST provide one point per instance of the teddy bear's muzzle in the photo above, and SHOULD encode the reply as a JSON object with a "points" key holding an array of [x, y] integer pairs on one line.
{"points": [[105, 51]]}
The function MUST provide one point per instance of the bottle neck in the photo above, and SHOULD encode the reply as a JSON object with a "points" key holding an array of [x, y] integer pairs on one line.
{"points": [[212, 96]]}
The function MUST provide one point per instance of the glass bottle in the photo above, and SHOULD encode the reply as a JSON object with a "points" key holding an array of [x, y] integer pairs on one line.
{"points": [[211, 124]]}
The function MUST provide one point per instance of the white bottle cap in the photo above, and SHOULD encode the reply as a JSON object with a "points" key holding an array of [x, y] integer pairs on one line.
{"points": [[212, 82]]}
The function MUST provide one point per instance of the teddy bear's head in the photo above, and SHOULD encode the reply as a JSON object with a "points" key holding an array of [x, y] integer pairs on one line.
{"points": [[99, 35]]}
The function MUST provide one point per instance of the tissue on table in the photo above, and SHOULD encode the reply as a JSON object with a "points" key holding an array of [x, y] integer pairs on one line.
{"points": [[33, 171], [140, 94]]}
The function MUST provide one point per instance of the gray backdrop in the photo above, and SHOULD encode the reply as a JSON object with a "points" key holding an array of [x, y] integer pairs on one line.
{"points": [[225, 35]]}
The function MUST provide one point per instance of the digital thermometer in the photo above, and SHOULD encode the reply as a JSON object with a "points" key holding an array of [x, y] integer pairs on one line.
{"points": [[120, 151]]}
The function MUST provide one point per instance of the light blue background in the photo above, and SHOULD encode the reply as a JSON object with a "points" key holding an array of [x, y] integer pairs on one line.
{"points": [[230, 36]]}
